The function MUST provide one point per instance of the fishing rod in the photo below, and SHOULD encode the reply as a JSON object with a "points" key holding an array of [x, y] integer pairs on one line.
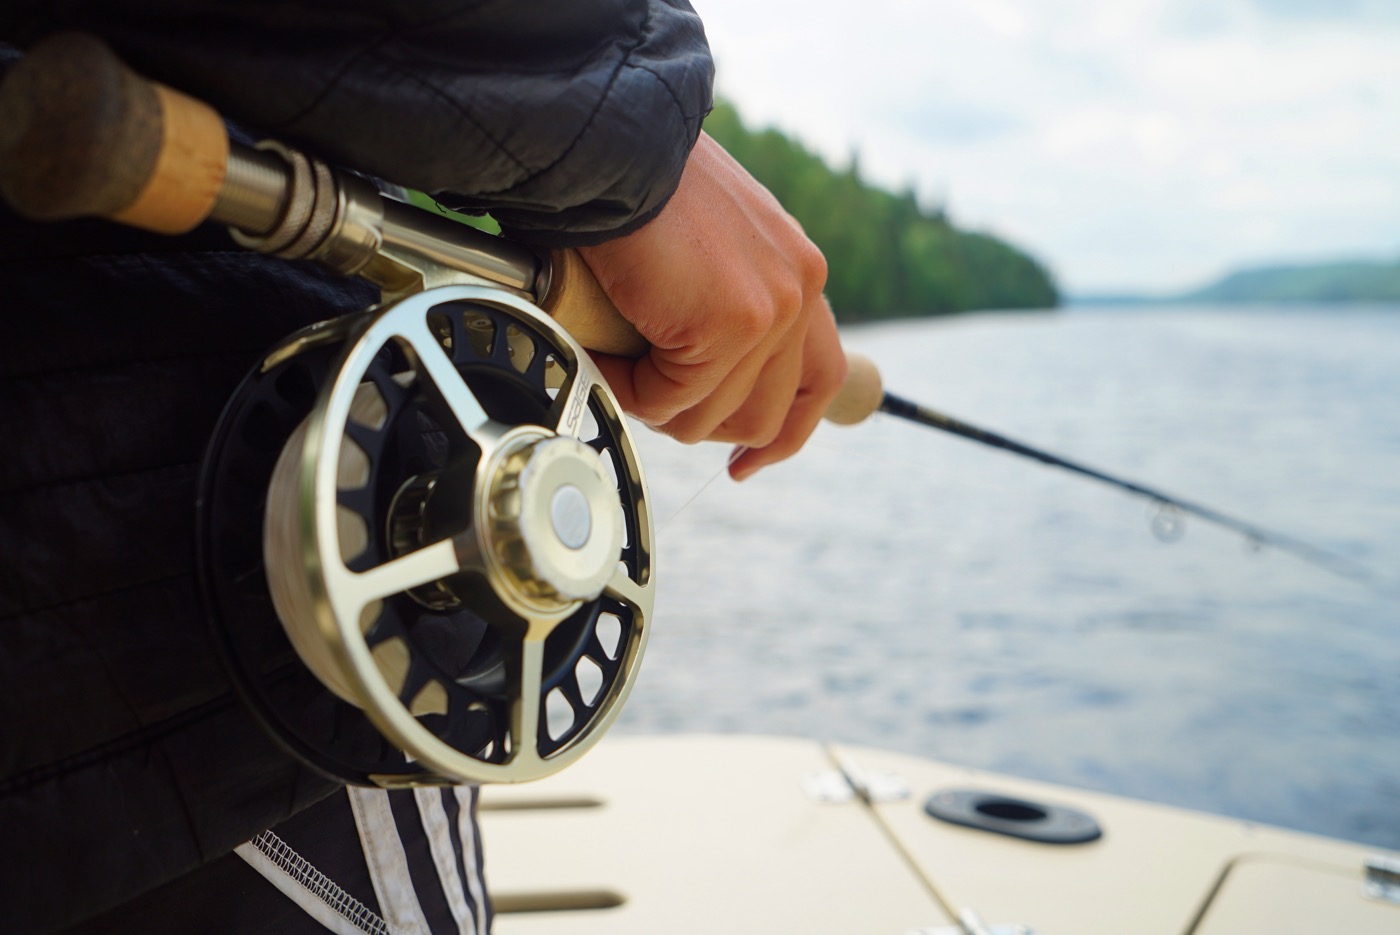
{"points": [[82, 159], [328, 527], [89, 155], [866, 378]]}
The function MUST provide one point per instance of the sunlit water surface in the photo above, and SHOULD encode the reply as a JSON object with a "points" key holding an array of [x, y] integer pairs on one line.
{"points": [[900, 588]]}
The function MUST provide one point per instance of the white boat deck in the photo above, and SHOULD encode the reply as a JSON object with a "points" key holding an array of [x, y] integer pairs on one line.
{"points": [[721, 835]]}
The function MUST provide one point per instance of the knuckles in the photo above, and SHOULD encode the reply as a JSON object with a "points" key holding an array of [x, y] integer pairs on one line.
{"points": [[660, 409], [776, 293], [754, 429], [812, 262], [685, 434], [752, 315]]}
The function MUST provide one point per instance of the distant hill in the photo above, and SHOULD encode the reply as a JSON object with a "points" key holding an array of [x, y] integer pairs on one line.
{"points": [[1352, 281], [1320, 282], [888, 256]]}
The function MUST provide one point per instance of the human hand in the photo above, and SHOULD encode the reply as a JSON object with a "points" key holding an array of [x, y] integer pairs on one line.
{"points": [[727, 289]]}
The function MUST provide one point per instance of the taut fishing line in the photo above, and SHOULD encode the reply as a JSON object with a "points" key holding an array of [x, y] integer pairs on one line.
{"points": [[1167, 513], [1168, 524], [733, 456]]}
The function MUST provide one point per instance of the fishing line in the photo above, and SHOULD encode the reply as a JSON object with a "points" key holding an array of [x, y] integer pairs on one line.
{"points": [[1167, 525], [723, 468]]}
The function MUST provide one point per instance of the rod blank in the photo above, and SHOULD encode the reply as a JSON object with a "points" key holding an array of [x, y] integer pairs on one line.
{"points": [[1313, 555]]}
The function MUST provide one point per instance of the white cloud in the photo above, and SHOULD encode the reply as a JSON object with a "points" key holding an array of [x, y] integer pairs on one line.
{"points": [[1131, 144]]}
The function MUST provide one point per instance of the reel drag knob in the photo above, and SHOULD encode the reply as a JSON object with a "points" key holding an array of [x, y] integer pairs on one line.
{"points": [[553, 528]]}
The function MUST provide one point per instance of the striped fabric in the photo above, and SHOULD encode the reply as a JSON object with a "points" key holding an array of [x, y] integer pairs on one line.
{"points": [[417, 867]]}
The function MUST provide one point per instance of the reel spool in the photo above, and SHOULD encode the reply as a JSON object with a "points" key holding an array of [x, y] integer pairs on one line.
{"points": [[426, 545]]}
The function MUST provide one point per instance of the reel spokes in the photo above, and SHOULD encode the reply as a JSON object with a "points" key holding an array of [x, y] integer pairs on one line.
{"points": [[446, 530]]}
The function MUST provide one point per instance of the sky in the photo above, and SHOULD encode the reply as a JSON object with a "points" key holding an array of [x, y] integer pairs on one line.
{"points": [[1142, 146]]}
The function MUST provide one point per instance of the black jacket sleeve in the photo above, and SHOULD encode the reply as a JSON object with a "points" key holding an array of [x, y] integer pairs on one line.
{"points": [[568, 120]]}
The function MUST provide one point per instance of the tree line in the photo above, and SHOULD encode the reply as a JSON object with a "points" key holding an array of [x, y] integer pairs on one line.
{"points": [[887, 256]]}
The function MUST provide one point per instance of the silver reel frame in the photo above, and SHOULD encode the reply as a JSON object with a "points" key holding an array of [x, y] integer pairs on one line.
{"points": [[542, 561]]}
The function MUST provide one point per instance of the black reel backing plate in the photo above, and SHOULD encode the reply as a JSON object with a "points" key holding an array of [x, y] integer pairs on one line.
{"points": [[425, 544]]}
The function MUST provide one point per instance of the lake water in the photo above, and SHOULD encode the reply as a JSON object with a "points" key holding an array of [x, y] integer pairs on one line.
{"points": [[897, 587]]}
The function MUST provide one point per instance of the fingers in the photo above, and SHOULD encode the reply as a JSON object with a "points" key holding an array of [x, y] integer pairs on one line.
{"points": [[656, 389], [770, 402], [727, 374], [824, 372], [690, 400], [749, 407], [710, 339], [727, 289]]}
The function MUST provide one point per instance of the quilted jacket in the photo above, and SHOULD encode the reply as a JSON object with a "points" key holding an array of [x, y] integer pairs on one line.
{"points": [[126, 759], [570, 120]]}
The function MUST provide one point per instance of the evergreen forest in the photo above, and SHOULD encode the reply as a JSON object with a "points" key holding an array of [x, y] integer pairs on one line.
{"points": [[888, 257]]}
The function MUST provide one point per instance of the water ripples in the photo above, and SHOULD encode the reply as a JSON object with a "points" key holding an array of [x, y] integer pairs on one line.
{"points": [[898, 588]]}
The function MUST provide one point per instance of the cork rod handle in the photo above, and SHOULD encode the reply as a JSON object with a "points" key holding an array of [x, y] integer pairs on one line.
{"points": [[81, 135]]}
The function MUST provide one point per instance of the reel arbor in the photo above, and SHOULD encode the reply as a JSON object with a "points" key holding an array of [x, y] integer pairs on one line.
{"points": [[427, 548]]}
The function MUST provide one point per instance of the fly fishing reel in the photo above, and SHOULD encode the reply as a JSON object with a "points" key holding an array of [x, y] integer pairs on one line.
{"points": [[424, 541], [426, 546]]}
